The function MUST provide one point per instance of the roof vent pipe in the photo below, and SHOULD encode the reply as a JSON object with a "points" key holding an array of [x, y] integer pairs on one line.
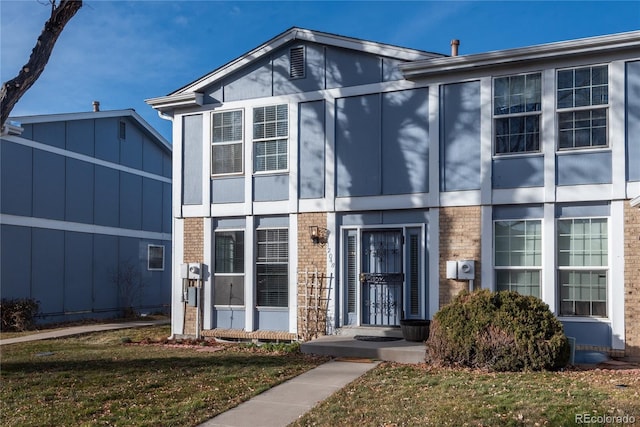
{"points": [[96, 106], [454, 47]]}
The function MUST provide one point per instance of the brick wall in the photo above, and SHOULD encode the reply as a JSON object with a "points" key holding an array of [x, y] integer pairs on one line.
{"points": [[459, 239], [312, 282], [632, 279], [193, 252], [193, 240]]}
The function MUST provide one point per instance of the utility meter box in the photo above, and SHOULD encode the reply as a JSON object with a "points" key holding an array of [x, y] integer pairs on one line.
{"points": [[452, 270], [466, 269], [192, 270]]}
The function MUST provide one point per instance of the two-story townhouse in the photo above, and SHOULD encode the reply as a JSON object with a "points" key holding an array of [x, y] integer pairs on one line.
{"points": [[324, 183], [85, 214]]}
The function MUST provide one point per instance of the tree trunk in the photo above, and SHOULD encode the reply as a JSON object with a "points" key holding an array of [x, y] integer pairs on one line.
{"points": [[13, 90]]}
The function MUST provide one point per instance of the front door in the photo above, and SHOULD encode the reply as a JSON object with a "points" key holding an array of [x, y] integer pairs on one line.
{"points": [[381, 278]]}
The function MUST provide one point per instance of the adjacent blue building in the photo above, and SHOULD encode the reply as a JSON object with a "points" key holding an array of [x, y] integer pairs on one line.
{"points": [[85, 214]]}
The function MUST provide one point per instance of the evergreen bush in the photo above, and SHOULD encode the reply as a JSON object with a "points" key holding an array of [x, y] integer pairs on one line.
{"points": [[498, 331]]}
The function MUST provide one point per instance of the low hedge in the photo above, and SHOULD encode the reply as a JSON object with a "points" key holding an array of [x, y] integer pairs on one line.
{"points": [[18, 314], [498, 331]]}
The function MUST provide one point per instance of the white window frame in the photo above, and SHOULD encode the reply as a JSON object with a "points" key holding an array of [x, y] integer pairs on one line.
{"points": [[520, 114], [262, 140], [149, 268], [585, 268], [233, 274], [519, 268], [582, 109], [239, 142]]}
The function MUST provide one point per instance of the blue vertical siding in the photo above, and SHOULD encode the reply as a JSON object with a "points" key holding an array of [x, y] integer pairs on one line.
{"points": [[311, 151], [152, 157], [151, 205], [47, 264], [268, 188], [48, 185], [16, 179], [80, 136], [584, 168], [131, 145], [405, 140], [15, 274], [252, 82], [130, 201], [105, 263], [78, 277], [518, 172], [358, 154], [633, 120], [227, 190], [460, 137], [79, 194], [349, 68], [107, 197], [166, 208], [53, 133], [192, 160], [107, 145]]}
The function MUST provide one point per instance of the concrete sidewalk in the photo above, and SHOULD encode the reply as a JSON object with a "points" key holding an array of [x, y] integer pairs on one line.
{"points": [[285, 403], [83, 329]]}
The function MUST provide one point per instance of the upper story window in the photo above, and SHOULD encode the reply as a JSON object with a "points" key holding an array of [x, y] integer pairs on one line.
{"points": [[270, 138], [226, 143], [583, 98], [516, 111]]}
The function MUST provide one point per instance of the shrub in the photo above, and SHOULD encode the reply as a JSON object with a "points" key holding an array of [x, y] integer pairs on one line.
{"points": [[18, 314], [502, 331]]}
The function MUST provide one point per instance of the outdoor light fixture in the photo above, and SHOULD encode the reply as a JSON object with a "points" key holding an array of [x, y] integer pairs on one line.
{"points": [[318, 234]]}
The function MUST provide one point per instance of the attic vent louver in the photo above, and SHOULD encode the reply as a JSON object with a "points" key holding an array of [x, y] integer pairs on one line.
{"points": [[296, 62]]}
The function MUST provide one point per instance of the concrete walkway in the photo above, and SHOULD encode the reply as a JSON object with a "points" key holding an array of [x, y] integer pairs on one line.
{"points": [[276, 407], [285, 403], [83, 329]]}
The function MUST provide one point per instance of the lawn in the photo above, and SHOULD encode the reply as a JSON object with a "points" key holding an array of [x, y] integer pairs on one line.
{"points": [[416, 395], [109, 378], [128, 378]]}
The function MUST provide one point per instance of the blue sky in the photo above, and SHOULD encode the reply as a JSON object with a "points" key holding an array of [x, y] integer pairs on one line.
{"points": [[123, 52]]}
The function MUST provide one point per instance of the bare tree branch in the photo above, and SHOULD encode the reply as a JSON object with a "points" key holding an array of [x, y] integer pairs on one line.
{"points": [[12, 90]]}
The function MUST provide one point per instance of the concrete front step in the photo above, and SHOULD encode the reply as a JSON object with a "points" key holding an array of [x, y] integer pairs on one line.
{"points": [[400, 351]]}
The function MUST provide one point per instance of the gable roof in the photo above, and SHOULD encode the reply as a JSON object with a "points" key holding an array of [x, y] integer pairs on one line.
{"points": [[146, 127], [189, 94]]}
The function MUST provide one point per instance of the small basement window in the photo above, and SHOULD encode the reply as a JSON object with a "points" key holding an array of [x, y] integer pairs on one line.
{"points": [[296, 62]]}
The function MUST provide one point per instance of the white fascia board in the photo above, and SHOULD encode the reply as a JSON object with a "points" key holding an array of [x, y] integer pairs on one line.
{"points": [[589, 46], [46, 118], [381, 49], [635, 202], [171, 102]]}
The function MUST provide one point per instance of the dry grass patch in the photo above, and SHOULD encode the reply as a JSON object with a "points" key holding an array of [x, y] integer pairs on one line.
{"points": [[99, 379], [416, 395]]}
